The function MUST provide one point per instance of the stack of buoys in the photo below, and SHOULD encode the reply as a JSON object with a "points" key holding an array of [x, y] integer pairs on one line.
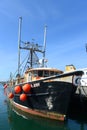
{"points": [[18, 89], [26, 88]]}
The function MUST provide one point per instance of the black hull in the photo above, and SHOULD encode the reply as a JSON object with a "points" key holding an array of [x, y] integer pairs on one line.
{"points": [[48, 97], [78, 108]]}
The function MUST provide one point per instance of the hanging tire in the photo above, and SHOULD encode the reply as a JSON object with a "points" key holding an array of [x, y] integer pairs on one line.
{"points": [[76, 80]]}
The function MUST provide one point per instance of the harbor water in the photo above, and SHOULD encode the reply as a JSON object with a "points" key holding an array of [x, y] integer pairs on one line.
{"points": [[12, 120]]}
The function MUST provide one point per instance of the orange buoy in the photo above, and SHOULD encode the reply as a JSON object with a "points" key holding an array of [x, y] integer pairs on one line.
{"points": [[11, 95], [17, 89], [26, 88], [23, 97]]}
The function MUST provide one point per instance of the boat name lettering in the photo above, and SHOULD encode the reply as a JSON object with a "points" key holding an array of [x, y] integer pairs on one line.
{"points": [[35, 85]]}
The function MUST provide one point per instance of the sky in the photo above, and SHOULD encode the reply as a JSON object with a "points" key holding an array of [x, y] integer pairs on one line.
{"points": [[66, 22]]}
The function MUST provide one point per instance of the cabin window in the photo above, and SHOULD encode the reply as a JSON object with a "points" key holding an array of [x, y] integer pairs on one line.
{"points": [[35, 73], [40, 73], [29, 76], [51, 73], [57, 73], [29, 73], [46, 73]]}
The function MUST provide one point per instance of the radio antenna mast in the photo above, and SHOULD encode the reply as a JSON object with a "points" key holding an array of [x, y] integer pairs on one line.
{"points": [[19, 42], [44, 49]]}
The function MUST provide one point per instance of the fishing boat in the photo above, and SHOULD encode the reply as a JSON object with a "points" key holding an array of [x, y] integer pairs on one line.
{"points": [[41, 91]]}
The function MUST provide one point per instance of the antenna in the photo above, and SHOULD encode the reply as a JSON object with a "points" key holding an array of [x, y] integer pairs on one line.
{"points": [[19, 42], [44, 49]]}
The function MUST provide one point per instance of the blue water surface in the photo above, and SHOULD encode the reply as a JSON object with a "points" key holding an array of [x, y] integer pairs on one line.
{"points": [[10, 119]]}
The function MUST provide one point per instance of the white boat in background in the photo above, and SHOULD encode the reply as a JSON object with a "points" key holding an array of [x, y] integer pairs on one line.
{"points": [[82, 89], [84, 77], [77, 80]]}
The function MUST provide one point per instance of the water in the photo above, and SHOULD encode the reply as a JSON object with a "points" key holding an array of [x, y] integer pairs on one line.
{"points": [[4, 124], [12, 120]]}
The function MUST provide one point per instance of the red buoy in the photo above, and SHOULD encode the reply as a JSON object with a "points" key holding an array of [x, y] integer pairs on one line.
{"points": [[23, 97], [17, 89], [11, 95], [26, 88]]}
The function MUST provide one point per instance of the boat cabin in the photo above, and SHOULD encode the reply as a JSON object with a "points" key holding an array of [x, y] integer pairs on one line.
{"points": [[39, 73]]}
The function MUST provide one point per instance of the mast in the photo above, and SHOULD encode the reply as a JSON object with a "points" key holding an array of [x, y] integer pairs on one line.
{"points": [[44, 45], [31, 53], [19, 42], [32, 47]]}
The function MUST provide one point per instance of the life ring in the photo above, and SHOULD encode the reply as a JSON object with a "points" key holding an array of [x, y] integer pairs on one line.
{"points": [[76, 80], [5, 86]]}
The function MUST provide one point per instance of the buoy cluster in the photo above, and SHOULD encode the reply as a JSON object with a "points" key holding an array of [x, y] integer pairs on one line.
{"points": [[22, 90]]}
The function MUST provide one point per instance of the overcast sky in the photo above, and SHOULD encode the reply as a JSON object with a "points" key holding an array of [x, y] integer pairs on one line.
{"points": [[66, 22]]}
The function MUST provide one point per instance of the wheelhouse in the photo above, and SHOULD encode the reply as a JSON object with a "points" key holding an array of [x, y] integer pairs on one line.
{"points": [[38, 73]]}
